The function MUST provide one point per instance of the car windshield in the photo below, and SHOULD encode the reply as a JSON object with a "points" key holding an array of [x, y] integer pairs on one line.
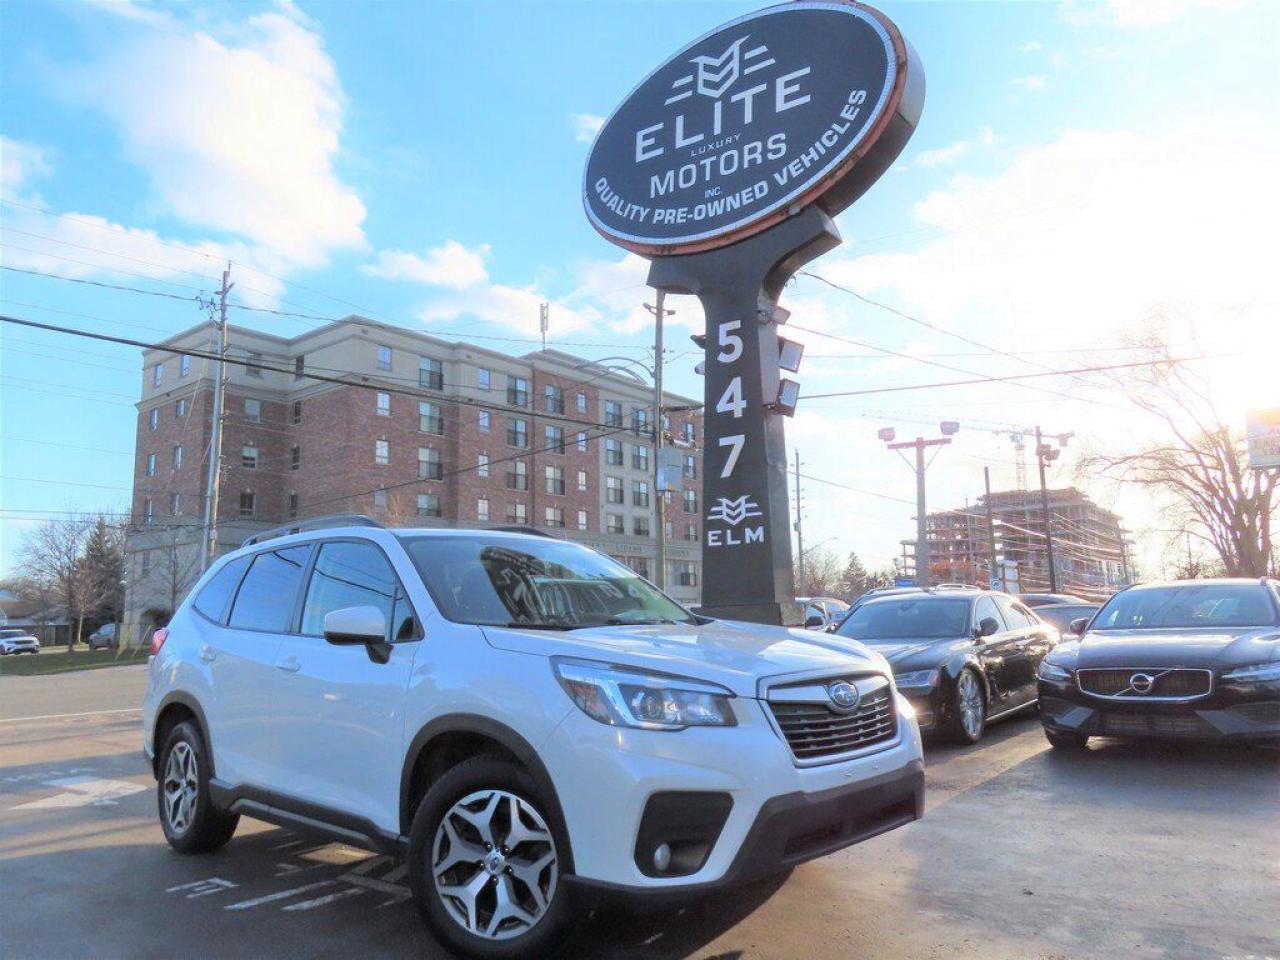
{"points": [[1061, 615], [10, 634], [907, 618], [1199, 605], [530, 582]]}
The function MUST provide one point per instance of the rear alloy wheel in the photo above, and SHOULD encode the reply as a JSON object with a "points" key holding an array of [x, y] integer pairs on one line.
{"points": [[191, 823], [969, 712], [1062, 740], [485, 866]]}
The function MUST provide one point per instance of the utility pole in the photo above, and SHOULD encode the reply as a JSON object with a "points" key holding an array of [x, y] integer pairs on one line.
{"points": [[991, 532], [659, 314], [1043, 453], [208, 540], [799, 530], [544, 321], [948, 427]]}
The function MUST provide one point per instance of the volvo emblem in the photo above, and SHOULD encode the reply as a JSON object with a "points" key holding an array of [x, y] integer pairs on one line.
{"points": [[1142, 682], [844, 696]]}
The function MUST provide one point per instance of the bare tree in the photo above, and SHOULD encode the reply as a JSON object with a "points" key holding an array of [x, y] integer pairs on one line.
{"points": [[52, 557], [822, 574], [178, 566], [1199, 465]]}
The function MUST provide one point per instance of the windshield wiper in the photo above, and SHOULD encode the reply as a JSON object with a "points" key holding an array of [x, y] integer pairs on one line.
{"points": [[537, 626]]}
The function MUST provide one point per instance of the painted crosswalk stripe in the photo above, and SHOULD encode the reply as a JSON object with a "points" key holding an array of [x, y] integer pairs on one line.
{"points": [[282, 895]]}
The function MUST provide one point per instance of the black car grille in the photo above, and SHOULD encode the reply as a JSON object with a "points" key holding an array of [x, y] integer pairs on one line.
{"points": [[814, 730], [1165, 684], [1152, 725]]}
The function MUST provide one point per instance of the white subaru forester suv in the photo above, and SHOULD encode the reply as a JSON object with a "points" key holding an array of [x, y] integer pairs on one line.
{"points": [[520, 718]]}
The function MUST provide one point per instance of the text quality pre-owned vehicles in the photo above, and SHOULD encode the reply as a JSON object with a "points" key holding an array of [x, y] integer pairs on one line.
{"points": [[521, 718], [1196, 659], [963, 658]]}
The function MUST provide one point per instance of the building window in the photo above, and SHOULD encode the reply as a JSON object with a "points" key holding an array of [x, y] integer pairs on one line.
{"points": [[253, 409], [429, 466], [177, 457], [429, 505], [613, 452], [381, 451], [640, 457], [146, 563], [184, 365], [293, 505], [669, 529], [691, 466], [613, 490], [482, 508], [688, 577], [555, 481], [518, 476], [249, 457], [688, 433], [613, 523], [180, 409], [384, 357], [430, 373], [253, 365], [297, 412], [582, 520], [554, 516], [299, 367], [518, 433], [517, 391], [148, 512], [153, 419], [517, 513], [640, 526], [151, 464], [295, 457], [640, 565], [384, 404], [613, 413], [691, 501], [157, 374], [483, 421], [582, 443], [247, 504], [582, 481], [639, 420], [483, 378], [691, 532], [430, 419], [482, 465], [380, 498], [582, 403], [640, 493], [175, 504], [553, 399], [555, 439]]}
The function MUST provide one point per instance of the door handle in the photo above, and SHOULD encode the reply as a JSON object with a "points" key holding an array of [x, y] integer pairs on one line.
{"points": [[208, 654], [289, 664]]}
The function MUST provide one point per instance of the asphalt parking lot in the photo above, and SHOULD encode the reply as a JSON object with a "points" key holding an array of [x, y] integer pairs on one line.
{"points": [[1128, 851]]}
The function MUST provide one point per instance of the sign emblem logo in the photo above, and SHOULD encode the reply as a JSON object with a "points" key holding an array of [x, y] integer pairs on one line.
{"points": [[733, 512], [1142, 682], [844, 696], [715, 75]]}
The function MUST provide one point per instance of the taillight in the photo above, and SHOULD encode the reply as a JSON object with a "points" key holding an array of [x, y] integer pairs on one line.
{"points": [[157, 640]]}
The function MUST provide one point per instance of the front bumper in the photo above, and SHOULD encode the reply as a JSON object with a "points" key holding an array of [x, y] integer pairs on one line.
{"points": [[781, 813], [1242, 712]]}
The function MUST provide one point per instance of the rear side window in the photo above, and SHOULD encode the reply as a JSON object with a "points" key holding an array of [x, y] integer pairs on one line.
{"points": [[266, 596], [212, 600], [352, 574]]}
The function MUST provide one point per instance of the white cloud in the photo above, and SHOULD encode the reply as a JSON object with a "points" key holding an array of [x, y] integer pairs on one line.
{"points": [[20, 163], [514, 308], [942, 155], [1031, 46], [1032, 83], [585, 126], [449, 265]]}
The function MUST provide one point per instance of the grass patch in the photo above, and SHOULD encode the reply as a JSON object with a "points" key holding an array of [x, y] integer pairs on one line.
{"points": [[26, 665]]}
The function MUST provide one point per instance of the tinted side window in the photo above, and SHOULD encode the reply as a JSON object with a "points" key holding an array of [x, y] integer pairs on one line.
{"points": [[1018, 620], [212, 600], [350, 574], [266, 597], [986, 607]]}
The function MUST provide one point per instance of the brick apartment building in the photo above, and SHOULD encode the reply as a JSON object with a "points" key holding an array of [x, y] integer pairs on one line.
{"points": [[419, 432]]}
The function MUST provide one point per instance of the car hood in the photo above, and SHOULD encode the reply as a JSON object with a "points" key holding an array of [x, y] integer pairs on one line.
{"points": [[919, 654], [732, 654], [1188, 647]]}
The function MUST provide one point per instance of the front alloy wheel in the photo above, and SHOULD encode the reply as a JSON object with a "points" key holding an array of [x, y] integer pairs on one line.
{"points": [[969, 712]]}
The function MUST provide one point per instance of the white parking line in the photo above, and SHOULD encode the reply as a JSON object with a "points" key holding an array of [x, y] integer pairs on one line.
{"points": [[282, 895], [68, 716], [326, 899]]}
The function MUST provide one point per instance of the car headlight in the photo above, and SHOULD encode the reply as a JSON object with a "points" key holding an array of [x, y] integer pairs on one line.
{"points": [[1257, 673], [917, 679], [622, 697], [1051, 671]]}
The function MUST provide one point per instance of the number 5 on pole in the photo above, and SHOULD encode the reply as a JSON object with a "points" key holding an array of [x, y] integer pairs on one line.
{"points": [[735, 441]]}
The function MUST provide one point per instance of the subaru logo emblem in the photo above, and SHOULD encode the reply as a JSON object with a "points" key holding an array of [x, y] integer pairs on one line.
{"points": [[844, 696], [1142, 682]]}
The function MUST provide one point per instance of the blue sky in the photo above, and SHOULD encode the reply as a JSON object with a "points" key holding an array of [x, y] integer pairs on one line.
{"points": [[1081, 172]]}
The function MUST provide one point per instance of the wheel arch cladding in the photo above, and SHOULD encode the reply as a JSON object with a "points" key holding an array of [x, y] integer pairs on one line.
{"points": [[174, 709]]}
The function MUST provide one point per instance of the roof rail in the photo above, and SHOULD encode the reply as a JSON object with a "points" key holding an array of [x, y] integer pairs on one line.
{"points": [[313, 523]]}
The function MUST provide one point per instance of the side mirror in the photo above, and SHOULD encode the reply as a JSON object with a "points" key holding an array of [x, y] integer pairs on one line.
{"points": [[987, 626], [354, 625], [1078, 625], [814, 623]]}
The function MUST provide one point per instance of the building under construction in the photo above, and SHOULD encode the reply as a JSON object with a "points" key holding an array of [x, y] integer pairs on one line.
{"points": [[1090, 553]]}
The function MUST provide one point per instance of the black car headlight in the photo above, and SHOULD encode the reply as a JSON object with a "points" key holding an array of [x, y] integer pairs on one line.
{"points": [[1053, 671], [1255, 673]]}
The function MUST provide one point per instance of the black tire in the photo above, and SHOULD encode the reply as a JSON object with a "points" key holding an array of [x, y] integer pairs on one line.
{"points": [[202, 828], [954, 728], [472, 776], [1062, 740]]}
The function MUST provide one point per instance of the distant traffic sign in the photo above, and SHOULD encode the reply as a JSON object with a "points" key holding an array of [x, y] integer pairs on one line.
{"points": [[904, 581], [1262, 429]]}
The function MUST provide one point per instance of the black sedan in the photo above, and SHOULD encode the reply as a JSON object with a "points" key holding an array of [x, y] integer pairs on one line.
{"points": [[963, 658], [1197, 659]]}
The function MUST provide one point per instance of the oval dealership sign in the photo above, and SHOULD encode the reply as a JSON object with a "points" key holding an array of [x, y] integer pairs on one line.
{"points": [[794, 104]]}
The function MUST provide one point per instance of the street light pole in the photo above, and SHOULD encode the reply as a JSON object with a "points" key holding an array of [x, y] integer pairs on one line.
{"points": [[659, 313], [920, 467], [1041, 455]]}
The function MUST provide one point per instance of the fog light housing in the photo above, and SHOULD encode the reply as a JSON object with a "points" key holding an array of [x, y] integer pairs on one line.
{"points": [[677, 831], [662, 857]]}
